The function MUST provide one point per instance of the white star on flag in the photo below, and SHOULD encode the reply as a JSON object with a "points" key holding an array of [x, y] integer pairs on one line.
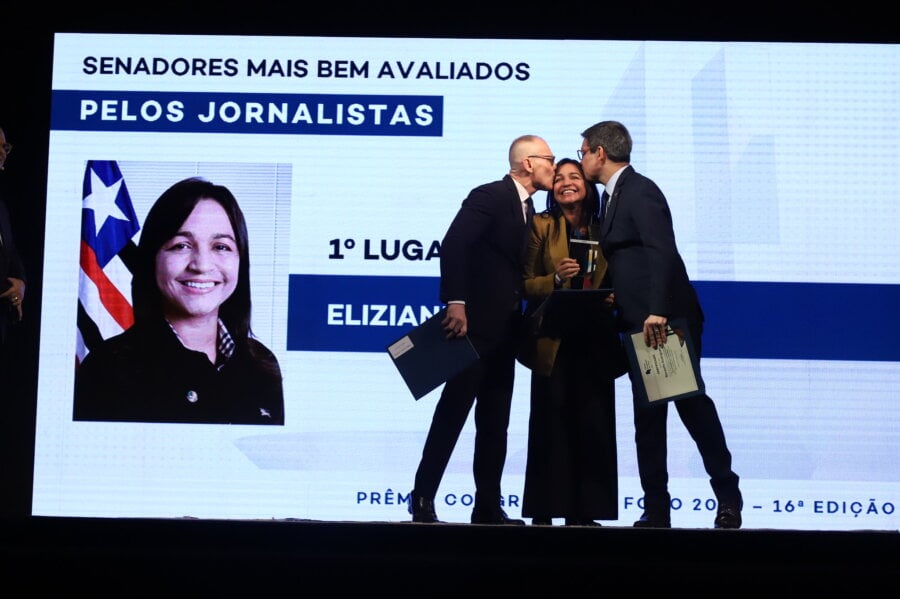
{"points": [[102, 201]]}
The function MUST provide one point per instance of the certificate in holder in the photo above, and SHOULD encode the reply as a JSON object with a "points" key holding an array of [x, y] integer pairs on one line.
{"points": [[667, 373], [586, 252], [426, 358]]}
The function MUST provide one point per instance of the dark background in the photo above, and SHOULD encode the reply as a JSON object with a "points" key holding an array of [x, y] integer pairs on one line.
{"points": [[345, 555]]}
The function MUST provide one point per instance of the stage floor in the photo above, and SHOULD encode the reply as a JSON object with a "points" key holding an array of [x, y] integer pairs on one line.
{"points": [[336, 558]]}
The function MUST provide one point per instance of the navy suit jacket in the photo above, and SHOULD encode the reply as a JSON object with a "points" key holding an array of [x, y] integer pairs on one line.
{"points": [[482, 256], [644, 266]]}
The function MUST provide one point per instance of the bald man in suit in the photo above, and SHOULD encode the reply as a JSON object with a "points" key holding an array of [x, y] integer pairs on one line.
{"points": [[482, 265]]}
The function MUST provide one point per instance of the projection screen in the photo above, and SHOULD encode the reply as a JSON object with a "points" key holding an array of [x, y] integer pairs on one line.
{"points": [[350, 157]]}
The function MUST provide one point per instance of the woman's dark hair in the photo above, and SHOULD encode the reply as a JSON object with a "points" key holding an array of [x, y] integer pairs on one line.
{"points": [[590, 207], [163, 221]]}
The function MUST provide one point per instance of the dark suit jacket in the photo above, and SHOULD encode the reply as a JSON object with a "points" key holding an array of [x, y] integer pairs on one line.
{"points": [[481, 260], [10, 266], [644, 266]]}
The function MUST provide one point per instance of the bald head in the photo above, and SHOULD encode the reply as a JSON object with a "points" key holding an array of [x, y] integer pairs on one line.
{"points": [[524, 146], [531, 162]]}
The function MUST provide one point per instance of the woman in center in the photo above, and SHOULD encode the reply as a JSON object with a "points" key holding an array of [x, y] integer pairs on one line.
{"points": [[571, 470]]}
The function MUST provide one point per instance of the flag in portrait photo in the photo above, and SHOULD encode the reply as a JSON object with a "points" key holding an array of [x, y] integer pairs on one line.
{"points": [[108, 226]]}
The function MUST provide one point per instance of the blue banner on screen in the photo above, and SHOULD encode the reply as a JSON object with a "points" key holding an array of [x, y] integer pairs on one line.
{"points": [[800, 321], [312, 114], [744, 320], [356, 313]]}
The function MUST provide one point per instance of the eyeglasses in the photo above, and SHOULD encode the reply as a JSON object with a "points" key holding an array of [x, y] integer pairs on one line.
{"points": [[552, 159], [581, 154], [7, 147]]}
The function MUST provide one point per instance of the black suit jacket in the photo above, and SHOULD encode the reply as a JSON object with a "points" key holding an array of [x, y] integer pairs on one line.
{"points": [[10, 266], [482, 257], [644, 266]]}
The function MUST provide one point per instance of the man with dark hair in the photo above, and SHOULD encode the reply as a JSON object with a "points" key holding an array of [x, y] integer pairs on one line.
{"points": [[652, 288]]}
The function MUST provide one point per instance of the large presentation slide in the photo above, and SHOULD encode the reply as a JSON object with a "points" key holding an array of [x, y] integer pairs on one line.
{"points": [[349, 157]]}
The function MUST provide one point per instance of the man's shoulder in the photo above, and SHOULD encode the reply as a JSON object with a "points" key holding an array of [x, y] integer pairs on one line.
{"points": [[498, 186], [635, 181], [631, 175]]}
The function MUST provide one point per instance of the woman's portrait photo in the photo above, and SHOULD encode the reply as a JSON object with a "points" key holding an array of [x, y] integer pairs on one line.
{"points": [[190, 355]]}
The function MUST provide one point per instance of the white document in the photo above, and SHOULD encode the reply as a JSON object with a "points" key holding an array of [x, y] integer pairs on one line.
{"points": [[668, 372]]}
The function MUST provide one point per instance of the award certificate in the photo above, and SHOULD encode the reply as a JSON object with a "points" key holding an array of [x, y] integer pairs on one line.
{"points": [[669, 372]]}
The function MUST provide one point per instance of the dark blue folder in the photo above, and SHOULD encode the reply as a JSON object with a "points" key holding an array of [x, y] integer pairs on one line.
{"points": [[426, 358]]}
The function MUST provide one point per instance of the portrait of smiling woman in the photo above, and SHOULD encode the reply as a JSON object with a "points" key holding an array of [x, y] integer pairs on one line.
{"points": [[190, 355]]}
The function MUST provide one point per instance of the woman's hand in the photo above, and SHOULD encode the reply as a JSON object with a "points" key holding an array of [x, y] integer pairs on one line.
{"points": [[566, 269]]}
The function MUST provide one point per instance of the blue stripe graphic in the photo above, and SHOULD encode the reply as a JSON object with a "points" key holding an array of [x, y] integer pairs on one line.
{"points": [[800, 321], [787, 321], [196, 112], [354, 313]]}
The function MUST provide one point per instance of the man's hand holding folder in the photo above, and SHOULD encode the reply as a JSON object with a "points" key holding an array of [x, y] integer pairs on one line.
{"points": [[433, 352], [455, 323]]}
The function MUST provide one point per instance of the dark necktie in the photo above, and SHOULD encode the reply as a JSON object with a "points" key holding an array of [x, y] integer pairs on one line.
{"points": [[604, 203], [529, 218]]}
